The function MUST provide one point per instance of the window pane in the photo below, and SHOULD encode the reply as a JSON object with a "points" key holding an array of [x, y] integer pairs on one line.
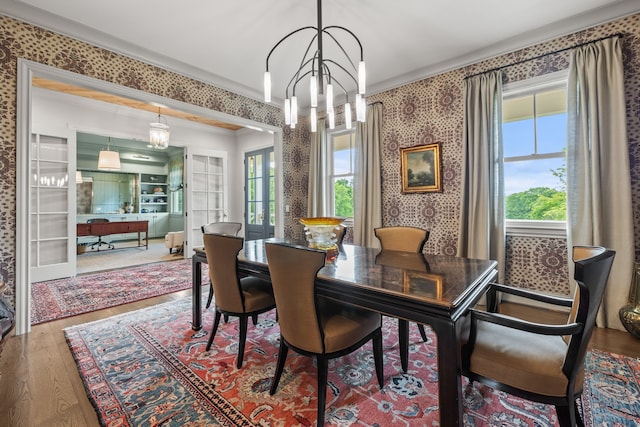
{"points": [[343, 154], [534, 136], [552, 133], [343, 197], [535, 189], [518, 138]]}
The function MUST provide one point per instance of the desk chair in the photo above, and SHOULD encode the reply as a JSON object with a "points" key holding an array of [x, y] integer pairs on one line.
{"points": [[536, 361], [313, 326], [229, 228], [100, 242], [403, 239], [241, 297]]}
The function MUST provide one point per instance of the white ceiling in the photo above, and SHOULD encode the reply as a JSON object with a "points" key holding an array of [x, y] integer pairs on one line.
{"points": [[225, 43]]}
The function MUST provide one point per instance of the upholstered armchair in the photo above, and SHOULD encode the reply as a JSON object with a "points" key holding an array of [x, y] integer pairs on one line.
{"points": [[536, 361]]}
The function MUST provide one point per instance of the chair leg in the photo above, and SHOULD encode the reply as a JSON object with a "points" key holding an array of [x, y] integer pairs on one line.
{"points": [[216, 322], [323, 368], [254, 318], [377, 357], [282, 357], [243, 339], [423, 334], [403, 342], [566, 415], [211, 298]]}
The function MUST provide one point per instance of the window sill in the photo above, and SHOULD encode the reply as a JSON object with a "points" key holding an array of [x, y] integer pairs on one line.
{"points": [[523, 228]]}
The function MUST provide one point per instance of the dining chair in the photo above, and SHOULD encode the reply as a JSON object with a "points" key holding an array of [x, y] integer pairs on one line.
{"points": [[404, 239], [537, 361], [241, 297], [230, 228], [313, 326]]}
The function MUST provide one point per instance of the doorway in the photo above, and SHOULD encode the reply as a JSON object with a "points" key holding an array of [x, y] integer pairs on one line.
{"points": [[27, 71], [259, 184]]}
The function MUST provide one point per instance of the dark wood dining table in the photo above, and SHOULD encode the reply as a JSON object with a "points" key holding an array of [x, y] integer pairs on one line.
{"points": [[436, 290]]}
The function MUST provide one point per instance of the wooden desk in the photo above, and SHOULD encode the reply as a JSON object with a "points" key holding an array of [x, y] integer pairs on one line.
{"points": [[431, 289], [116, 227]]}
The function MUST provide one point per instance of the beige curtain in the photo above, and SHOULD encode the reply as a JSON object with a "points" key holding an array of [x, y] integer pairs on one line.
{"points": [[598, 180], [482, 229], [317, 196], [368, 185]]}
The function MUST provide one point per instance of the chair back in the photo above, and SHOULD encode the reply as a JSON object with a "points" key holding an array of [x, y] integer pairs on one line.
{"points": [[592, 267], [230, 228], [222, 258], [406, 239], [293, 271]]}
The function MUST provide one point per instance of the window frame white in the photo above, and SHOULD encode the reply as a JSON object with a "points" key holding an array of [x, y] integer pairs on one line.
{"points": [[329, 187], [535, 228]]}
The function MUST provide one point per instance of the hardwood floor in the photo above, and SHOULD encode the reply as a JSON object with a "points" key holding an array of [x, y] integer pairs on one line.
{"points": [[40, 384]]}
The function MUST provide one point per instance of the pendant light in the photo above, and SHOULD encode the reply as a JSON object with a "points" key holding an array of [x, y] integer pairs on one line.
{"points": [[159, 133], [109, 160]]}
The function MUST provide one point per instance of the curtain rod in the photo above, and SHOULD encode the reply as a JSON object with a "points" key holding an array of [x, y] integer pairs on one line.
{"points": [[544, 54]]}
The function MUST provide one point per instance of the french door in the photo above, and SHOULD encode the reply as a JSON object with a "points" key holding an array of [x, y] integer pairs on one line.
{"points": [[260, 214], [206, 192], [52, 201]]}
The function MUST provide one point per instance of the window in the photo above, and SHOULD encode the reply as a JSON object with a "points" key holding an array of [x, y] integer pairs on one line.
{"points": [[340, 164], [534, 132]]}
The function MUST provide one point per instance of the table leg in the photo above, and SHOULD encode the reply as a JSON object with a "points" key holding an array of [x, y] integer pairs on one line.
{"points": [[196, 294], [449, 380]]}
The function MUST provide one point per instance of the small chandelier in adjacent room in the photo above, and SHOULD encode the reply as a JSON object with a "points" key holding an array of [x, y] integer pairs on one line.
{"points": [[109, 160], [320, 71], [159, 133]]}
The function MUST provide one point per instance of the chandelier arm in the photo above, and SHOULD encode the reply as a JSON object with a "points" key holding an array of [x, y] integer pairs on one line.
{"points": [[342, 68], [325, 30], [283, 39], [296, 76], [346, 55], [297, 80]]}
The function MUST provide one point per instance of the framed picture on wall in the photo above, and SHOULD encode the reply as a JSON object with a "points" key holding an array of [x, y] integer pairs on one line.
{"points": [[420, 169]]}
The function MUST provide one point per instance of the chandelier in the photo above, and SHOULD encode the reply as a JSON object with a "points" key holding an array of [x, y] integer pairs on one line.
{"points": [[159, 133], [320, 70]]}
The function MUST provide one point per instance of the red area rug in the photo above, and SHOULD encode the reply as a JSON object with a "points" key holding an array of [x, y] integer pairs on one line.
{"points": [[149, 368], [57, 299]]}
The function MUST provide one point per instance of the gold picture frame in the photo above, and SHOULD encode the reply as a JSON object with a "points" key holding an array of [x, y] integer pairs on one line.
{"points": [[423, 285], [420, 169]]}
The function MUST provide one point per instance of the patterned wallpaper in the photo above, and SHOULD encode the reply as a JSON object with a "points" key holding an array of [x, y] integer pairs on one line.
{"points": [[422, 112], [431, 111]]}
